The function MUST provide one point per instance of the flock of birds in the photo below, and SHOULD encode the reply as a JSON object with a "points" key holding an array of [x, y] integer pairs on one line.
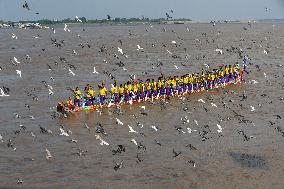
{"points": [[187, 125]]}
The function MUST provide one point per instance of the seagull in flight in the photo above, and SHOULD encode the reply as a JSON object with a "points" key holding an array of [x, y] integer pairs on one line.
{"points": [[16, 60], [154, 127], [118, 121], [131, 130], [201, 100], [214, 105], [169, 52], [14, 36], [19, 73], [48, 154], [66, 28], [176, 66], [139, 48], [70, 72], [2, 93], [134, 141], [74, 52], [78, 19], [219, 128], [95, 71], [220, 51], [63, 133], [120, 50], [102, 141]]}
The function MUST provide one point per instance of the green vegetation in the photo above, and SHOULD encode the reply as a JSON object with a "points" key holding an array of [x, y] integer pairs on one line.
{"points": [[103, 21]]}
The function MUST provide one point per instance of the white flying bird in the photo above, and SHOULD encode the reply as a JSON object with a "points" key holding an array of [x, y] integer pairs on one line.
{"points": [[220, 51], [120, 50], [207, 66], [219, 128], [174, 42], [2, 93], [50, 92], [143, 107], [195, 121], [118, 121], [254, 81], [169, 52], [74, 52], [102, 141], [212, 104], [201, 100], [176, 66], [95, 71], [63, 133], [131, 130], [134, 141], [189, 130], [78, 19], [154, 127], [19, 73], [139, 48], [66, 28], [264, 74], [14, 36], [252, 108], [265, 52], [48, 154], [16, 60], [70, 72], [124, 68]]}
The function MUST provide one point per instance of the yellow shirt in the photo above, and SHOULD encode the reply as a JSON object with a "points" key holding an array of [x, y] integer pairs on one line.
{"points": [[185, 80], [121, 90], [129, 87], [227, 70], [91, 92], [102, 91], [159, 84], [77, 92], [113, 90], [142, 87], [174, 82], [135, 88], [69, 102], [154, 85]]}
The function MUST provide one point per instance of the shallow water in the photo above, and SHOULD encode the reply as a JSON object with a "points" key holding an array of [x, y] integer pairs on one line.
{"points": [[216, 167]]}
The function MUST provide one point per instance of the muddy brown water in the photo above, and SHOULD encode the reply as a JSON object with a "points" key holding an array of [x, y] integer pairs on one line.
{"points": [[223, 160]]}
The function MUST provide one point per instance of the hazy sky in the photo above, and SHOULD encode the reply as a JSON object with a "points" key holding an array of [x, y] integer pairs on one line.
{"points": [[98, 9]]}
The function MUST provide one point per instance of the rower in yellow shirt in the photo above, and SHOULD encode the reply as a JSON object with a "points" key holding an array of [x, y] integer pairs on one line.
{"points": [[121, 92], [102, 93], [77, 96], [91, 94], [114, 92]]}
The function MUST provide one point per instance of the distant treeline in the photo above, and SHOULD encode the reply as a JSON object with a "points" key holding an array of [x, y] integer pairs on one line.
{"points": [[110, 21]]}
